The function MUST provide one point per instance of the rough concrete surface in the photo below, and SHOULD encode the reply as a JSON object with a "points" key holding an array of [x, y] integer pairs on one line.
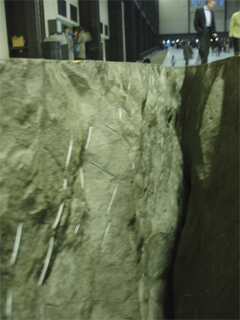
{"points": [[206, 273], [101, 165]]}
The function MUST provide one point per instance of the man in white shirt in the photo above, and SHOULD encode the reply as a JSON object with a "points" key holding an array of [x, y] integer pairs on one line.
{"points": [[204, 23]]}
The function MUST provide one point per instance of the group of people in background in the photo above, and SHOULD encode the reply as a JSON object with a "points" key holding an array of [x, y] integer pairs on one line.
{"points": [[217, 46], [187, 54], [204, 24], [78, 39]]}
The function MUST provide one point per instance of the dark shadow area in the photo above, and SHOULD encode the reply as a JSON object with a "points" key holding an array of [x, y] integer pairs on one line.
{"points": [[189, 96], [221, 181], [183, 196]]}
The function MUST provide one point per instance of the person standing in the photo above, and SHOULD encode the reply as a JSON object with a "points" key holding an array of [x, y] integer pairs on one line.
{"points": [[79, 43], [69, 38], [173, 61], [187, 53], [65, 31], [204, 23], [234, 31]]}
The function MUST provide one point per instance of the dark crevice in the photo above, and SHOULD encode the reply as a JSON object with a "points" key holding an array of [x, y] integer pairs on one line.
{"points": [[183, 194], [184, 126], [183, 198], [132, 222], [139, 250], [143, 106]]}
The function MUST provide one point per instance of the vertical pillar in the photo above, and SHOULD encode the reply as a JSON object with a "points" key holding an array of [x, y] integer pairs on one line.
{"points": [[146, 35], [130, 30], [34, 21], [4, 53], [90, 21], [124, 33], [116, 25], [137, 33], [141, 33], [225, 20]]}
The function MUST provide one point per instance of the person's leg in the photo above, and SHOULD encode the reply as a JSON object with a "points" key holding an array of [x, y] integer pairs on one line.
{"points": [[236, 44], [186, 62], [201, 47], [207, 40]]}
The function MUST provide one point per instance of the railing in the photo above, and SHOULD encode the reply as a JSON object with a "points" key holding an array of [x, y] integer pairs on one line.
{"points": [[147, 52]]}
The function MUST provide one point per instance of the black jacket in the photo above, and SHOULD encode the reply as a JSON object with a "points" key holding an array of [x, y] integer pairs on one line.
{"points": [[200, 21]]}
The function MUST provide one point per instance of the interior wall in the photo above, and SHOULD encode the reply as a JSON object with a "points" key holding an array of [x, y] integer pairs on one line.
{"points": [[4, 53], [103, 12], [231, 7], [51, 13], [173, 16]]}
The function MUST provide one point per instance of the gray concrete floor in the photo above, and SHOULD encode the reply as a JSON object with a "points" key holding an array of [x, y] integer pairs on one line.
{"points": [[178, 54], [158, 57]]}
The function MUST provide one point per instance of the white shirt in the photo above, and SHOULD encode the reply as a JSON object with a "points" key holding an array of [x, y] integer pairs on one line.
{"points": [[208, 16]]}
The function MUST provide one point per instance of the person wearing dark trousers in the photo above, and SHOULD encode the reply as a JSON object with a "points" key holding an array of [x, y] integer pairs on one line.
{"points": [[187, 52], [204, 24]]}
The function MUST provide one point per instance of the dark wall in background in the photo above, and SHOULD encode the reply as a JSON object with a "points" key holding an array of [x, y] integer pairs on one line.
{"points": [[15, 18], [115, 43], [90, 21], [141, 28], [25, 18]]}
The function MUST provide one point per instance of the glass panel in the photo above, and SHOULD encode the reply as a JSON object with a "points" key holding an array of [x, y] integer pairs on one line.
{"points": [[73, 11], [62, 9]]}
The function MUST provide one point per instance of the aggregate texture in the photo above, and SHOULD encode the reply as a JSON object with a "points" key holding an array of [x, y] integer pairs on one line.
{"points": [[102, 165], [206, 272]]}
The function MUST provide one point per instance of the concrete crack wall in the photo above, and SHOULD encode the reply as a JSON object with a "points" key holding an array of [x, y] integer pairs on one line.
{"points": [[93, 176], [206, 271]]}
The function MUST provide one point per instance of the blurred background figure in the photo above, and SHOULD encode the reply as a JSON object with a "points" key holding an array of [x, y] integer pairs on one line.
{"points": [[217, 47], [187, 52], [79, 43], [75, 33], [173, 61], [146, 60], [66, 31], [204, 24], [69, 37], [234, 31]]}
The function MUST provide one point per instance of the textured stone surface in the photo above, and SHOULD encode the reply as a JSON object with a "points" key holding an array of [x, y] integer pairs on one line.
{"points": [[114, 243], [206, 273], [48, 106]]}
